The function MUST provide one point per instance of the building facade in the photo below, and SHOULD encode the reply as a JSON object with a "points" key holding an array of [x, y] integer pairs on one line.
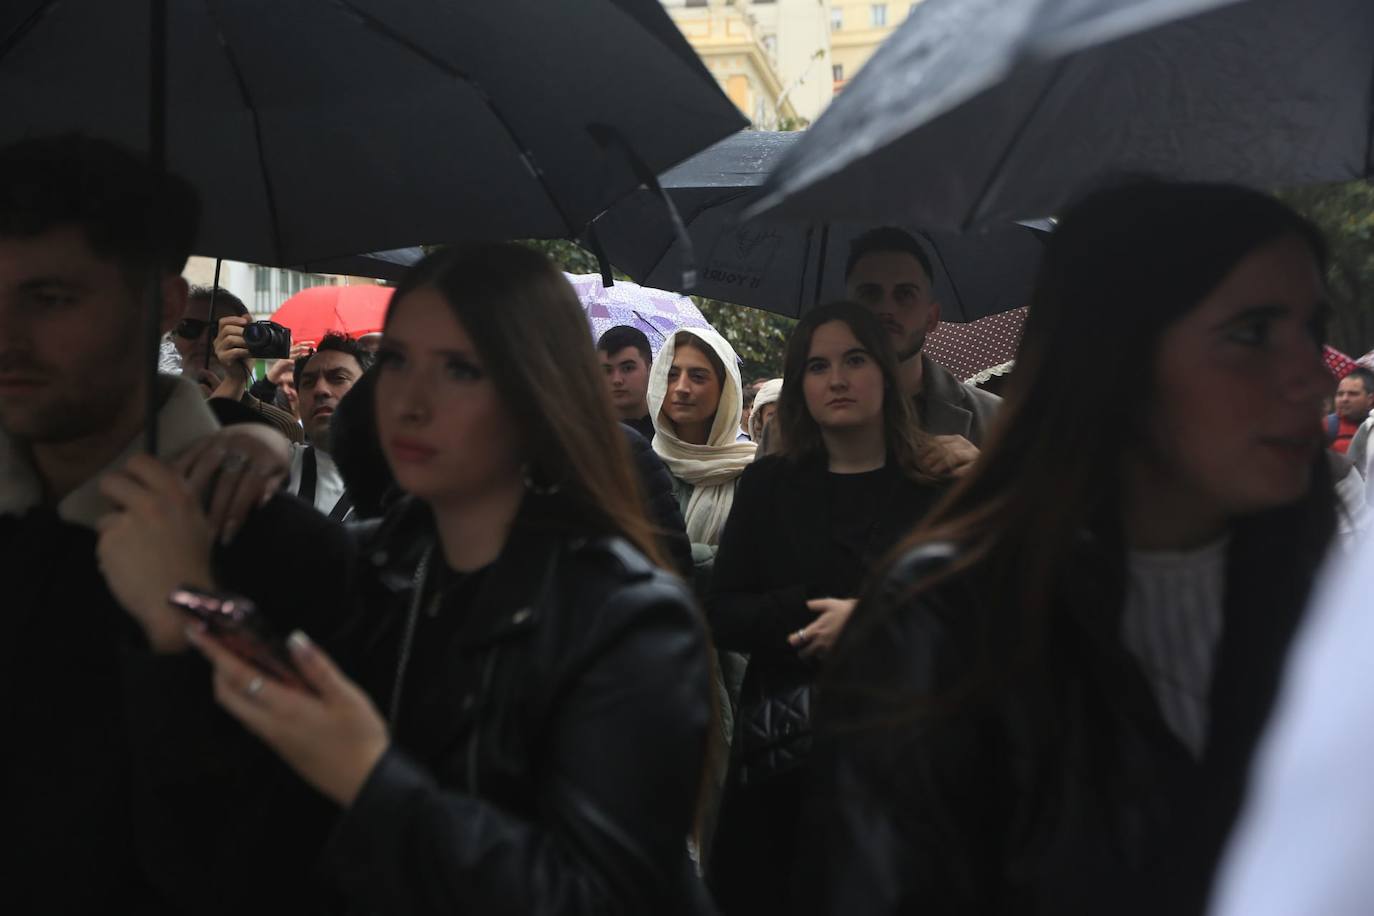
{"points": [[733, 49], [262, 289], [782, 61]]}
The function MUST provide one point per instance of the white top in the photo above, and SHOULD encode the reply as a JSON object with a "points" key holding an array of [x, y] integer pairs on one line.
{"points": [[329, 485], [1305, 842], [1171, 624]]}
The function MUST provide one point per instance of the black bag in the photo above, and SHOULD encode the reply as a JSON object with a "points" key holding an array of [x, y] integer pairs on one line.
{"points": [[774, 729]]}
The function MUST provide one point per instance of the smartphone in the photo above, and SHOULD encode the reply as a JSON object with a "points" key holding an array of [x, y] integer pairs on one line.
{"points": [[235, 622]]}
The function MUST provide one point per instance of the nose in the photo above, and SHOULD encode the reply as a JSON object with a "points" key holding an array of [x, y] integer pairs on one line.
{"points": [[838, 379], [413, 404], [1305, 379], [681, 384]]}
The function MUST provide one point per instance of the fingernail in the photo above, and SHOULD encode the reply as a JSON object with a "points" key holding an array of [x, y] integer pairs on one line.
{"points": [[300, 643]]}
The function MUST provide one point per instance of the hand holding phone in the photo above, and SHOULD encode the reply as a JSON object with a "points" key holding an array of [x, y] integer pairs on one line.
{"points": [[234, 621]]}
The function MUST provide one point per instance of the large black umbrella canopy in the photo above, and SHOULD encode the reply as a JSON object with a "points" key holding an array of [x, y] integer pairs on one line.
{"points": [[788, 268], [321, 128], [976, 111]]}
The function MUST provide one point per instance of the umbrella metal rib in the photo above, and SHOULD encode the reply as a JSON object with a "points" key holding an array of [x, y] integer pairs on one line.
{"points": [[995, 176], [268, 187]]}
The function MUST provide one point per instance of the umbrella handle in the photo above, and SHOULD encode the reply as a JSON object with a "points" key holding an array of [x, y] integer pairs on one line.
{"points": [[606, 135], [602, 262]]}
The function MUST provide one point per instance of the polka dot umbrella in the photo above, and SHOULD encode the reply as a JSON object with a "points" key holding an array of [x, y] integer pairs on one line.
{"points": [[977, 349]]}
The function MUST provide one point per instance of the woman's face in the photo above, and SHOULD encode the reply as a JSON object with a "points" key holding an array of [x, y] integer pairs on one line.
{"points": [[1238, 386], [444, 429], [841, 380], [693, 388]]}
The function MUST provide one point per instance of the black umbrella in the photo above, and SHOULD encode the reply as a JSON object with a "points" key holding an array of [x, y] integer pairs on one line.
{"points": [[982, 110], [320, 128], [789, 268], [380, 265]]}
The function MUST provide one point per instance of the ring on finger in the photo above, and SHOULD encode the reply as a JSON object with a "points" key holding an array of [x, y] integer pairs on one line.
{"points": [[801, 634], [234, 461], [255, 685]]}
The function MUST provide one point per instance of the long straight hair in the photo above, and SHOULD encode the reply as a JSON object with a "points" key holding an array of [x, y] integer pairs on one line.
{"points": [[1123, 265], [799, 432], [529, 327]]}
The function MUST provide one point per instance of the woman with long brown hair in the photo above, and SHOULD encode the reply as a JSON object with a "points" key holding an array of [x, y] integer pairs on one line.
{"points": [[1049, 702], [808, 522], [546, 686]]}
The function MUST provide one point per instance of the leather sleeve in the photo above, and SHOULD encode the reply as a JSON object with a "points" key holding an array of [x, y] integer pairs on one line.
{"points": [[749, 609], [625, 745], [903, 797]]}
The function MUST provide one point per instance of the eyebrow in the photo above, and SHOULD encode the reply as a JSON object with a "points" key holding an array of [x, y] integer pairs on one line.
{"points": [[39, 282]]}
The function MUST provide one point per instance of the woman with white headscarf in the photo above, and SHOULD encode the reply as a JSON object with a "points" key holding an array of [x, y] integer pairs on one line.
{"points": [[695, 401]]}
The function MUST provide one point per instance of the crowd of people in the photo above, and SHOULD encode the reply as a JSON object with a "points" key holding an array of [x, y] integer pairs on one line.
{"points": [[487, 616]]}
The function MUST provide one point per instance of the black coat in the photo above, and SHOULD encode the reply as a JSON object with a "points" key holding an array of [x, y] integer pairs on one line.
{"points": [[660, 502], [559, 752], [952, 779], [778, 551], [126, 789]]}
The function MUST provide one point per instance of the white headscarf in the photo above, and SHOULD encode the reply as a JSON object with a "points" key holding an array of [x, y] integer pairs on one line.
{"points": [[768, 393], [713, 468]]}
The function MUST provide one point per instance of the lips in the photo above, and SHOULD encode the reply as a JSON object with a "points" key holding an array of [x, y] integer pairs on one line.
{"points": [[839, 402], [411, 451]]}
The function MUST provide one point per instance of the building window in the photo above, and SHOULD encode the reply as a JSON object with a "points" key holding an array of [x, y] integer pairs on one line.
{"points": [[696, 2], [836, 18], [878, 14], [837, 72]]}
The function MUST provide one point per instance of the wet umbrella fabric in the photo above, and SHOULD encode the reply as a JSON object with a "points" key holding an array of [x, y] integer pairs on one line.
{"points": [[380, 265], [322, 128], [352, 310], [980, 111], [658, 313], [788, 268]]}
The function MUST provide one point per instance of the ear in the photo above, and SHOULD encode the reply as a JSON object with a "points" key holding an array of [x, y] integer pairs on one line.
{"points": [[174, 295], [933, 321]]}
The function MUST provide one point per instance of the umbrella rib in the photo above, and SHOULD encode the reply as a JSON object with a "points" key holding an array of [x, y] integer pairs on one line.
{"points": [[247, 96], [994, 176], [526, 154], [24, 28], [949, 275], [691, 218]]}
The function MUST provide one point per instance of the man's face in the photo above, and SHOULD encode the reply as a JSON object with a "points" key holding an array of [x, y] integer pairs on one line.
{"points": [[1353, 401], [70, 348], [894, 287], [627, 377], [194, 350], [325, 379]]}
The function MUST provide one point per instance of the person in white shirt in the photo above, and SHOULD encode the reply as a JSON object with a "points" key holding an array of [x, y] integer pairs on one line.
{"points": [[322, 379]]}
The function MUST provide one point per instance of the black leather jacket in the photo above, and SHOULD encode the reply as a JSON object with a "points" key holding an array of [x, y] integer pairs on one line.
{"points": [[561, 765], [953, 780]]}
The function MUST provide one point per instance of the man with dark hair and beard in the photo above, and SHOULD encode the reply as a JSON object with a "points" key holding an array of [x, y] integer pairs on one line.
{"points": [[114, 807], [889, 273]]}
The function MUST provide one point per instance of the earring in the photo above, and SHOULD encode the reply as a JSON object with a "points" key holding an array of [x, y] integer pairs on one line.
{"points": [[538, 489]]}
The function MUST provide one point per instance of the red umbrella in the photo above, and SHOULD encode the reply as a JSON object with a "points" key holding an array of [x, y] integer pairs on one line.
{"points": [[351, 310]]}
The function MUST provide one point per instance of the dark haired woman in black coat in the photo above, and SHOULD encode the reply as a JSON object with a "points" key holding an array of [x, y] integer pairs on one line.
{"points": [[1049, 703], [806, 526]]}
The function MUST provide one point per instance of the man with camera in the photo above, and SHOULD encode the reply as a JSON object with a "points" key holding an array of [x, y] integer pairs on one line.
{"points": [[223, 384], [322, 378]]}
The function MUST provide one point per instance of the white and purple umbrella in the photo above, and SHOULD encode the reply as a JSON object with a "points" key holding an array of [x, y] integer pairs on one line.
{"points": [[656, 312]]}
